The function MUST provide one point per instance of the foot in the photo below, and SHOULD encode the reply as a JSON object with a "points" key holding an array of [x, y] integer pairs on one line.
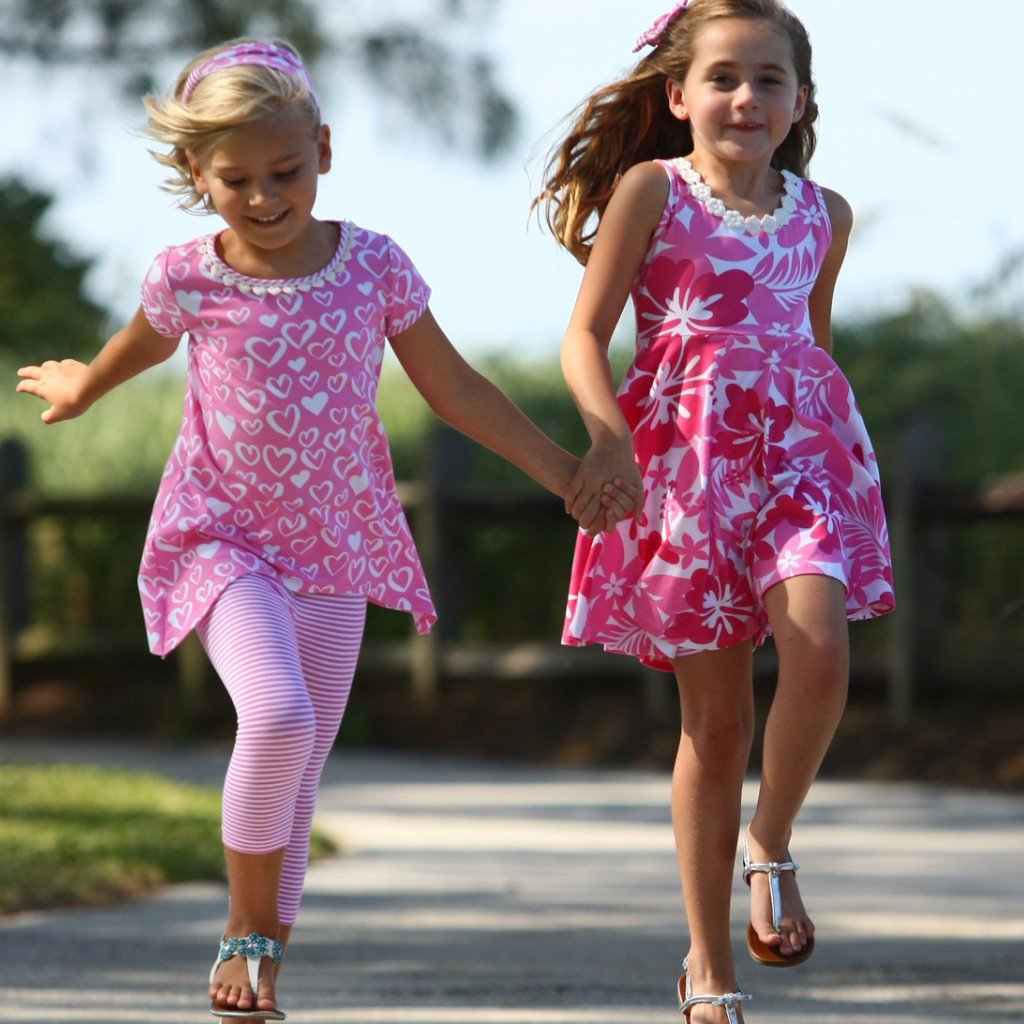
{"points": [[796, 930], [231, 988], [694, 984]]}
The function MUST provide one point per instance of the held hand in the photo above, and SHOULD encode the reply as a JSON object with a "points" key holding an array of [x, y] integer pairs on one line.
{"points": [[605, 489], [621, 499], [60, 384]]}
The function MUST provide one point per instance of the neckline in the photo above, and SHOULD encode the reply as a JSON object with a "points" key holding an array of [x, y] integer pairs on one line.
{"points": [[260, 286], [752, 224]]}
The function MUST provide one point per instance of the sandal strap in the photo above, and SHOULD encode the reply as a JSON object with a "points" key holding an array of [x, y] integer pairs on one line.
{"points": [[773, 869], [249, 946], [728, 1001]]}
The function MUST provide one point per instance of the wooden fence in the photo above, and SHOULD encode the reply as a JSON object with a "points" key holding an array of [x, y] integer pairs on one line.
{"points": [[444, 510]]}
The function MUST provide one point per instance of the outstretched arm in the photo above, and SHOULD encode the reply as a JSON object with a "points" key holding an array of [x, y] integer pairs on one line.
{"points": [[471, 403], [623, 237], [71, 387]]}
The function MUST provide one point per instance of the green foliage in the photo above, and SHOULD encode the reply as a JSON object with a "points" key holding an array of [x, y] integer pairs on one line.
{"points": [[77, 834], [453, 93], [966, 375], [41, 296]]}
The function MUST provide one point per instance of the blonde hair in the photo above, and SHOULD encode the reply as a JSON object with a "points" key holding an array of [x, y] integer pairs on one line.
{"points": [[628, 121], [222, 101]]}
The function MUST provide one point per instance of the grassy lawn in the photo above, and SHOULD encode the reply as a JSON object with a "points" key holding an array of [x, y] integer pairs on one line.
{"points": [[71, 834]]}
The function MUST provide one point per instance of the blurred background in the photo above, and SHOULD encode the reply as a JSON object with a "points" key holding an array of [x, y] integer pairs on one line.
{"points": [[442, 114]]}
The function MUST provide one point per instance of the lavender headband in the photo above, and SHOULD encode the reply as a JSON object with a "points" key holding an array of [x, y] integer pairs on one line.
{"points": [[265, 55], [653, 35]]}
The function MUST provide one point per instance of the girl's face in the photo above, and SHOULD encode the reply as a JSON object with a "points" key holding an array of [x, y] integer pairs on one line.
{"points": [[262, 180], [741, 94]]}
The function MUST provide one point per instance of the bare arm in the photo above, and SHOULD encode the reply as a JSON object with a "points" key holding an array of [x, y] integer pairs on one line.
{"points": [[471, 403], [841, 216], [72, 387], [623, 237]]}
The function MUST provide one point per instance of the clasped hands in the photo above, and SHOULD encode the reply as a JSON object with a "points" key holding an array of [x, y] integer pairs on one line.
{"points": [[605, 489]]}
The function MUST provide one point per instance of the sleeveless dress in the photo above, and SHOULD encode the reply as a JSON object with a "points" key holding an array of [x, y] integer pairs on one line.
{"points": [[756, 463], [281, 467]]}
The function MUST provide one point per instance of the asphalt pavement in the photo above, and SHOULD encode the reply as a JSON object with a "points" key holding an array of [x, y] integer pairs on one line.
{"points": [[472, 893]]}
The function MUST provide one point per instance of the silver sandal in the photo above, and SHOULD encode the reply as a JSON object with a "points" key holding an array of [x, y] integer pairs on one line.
{"points": [[687, 999], [769, 956], [253, 947]]}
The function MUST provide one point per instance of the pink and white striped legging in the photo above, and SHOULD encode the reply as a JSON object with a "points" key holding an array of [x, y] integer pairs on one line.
{"points": [[287, 660]]}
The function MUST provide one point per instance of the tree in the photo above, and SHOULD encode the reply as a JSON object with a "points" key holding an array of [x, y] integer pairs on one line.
{"points": [[41, 295], [454, 94]]}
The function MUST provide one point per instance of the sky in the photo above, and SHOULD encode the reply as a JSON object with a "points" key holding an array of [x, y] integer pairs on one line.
{"points": [[919, 129]]}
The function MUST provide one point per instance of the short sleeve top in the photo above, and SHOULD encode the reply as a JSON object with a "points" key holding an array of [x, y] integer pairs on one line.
{"points": [[281, 466]]}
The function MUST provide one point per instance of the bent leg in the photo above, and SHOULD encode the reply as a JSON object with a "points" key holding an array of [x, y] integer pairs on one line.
{"points": [[716, 700], [808, 619]]}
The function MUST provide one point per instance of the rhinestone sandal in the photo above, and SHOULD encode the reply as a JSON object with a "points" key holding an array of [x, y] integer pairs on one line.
{"points": [[253, 947], [687, 999], [764, 954]]}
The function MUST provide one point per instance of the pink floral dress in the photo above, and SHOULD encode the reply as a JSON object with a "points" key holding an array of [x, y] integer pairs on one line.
{"points": [[756, 463], [281, 467]]}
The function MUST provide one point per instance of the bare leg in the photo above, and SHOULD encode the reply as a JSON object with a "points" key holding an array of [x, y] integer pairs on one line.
{"points": [[808, 619], [716, 697], [253, 881]]}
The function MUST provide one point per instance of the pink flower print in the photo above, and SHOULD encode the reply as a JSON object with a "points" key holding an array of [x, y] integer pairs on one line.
{"points": [[685, 303], [655, 401], [750, 424], [717, 606]]}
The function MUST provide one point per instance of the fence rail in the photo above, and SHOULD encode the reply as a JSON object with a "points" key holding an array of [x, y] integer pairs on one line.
{"points": [[444, 510]]}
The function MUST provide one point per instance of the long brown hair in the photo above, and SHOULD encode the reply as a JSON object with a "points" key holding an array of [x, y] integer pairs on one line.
{"points": [[629, 121]]}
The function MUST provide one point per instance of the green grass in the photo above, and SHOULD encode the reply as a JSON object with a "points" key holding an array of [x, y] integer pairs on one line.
{"points": [[71, 834]]}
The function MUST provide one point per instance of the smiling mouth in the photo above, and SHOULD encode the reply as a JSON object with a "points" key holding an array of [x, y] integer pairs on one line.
{"points": [[269, 221]]}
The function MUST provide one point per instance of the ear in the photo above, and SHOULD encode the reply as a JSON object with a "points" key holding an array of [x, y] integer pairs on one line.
{"points": [[676, 102], [196, 168], [801, 102], [323, 147]]}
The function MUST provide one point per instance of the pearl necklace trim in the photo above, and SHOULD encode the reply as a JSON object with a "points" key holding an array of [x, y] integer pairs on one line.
{"points": [[753, 225], [259, 286]]}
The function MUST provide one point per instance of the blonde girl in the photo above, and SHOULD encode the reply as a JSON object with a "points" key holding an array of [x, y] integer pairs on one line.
{"points": [[277, 517], [683, 186]]}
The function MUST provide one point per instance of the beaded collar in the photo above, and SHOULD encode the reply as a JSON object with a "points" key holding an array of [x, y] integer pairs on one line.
{"points": [[259, 286], [753, 225]]}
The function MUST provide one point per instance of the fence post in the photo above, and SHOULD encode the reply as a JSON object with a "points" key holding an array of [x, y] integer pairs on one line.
{"points": [[444, 470], [912, 640], [13, 564]]}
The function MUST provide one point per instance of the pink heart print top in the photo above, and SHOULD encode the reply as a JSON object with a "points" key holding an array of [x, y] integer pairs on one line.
{"points": [[281, 466]]}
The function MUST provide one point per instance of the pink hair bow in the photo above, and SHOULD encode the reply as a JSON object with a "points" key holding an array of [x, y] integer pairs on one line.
{"points": [[261, 54], [653, 35]]}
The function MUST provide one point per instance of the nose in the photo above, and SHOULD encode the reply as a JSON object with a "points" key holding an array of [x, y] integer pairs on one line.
{"points": [[745, 94], [263, 190]]}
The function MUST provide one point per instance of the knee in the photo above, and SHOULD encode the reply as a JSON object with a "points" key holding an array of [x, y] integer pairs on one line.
{"points": [[284, 724], [822, 663], [721, 739]]}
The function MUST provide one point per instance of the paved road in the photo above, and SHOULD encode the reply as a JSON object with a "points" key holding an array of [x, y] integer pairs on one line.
{"points": [[491, 894]]}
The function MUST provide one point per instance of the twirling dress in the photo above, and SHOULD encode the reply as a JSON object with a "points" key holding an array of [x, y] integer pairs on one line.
{"points": [[756, 463], [281, 467]]}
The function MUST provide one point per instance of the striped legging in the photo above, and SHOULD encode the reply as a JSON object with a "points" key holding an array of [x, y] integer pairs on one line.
{"points": [[287, 660]]}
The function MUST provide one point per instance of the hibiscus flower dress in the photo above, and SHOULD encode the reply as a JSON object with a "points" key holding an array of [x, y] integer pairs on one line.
{"points": [[756, 463]]}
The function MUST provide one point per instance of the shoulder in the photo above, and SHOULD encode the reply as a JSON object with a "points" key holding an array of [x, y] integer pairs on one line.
{"points": [[840, 213], [641, 193], [645, 183]]}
